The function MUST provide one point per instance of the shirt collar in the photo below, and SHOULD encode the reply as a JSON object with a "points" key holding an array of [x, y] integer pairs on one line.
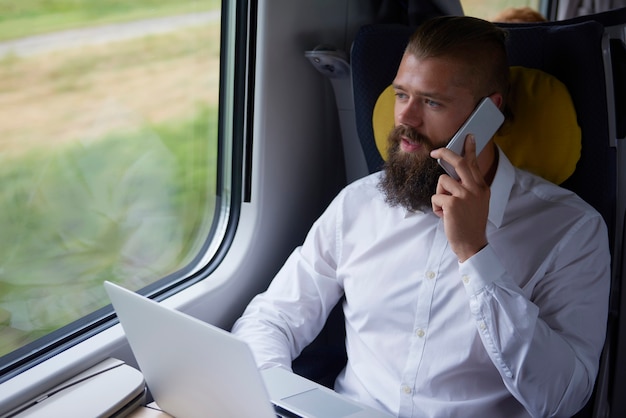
{"points": [[500, 191]]}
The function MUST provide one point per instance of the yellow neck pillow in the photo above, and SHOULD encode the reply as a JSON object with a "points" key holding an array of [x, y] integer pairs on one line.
{"points": [[541, 136]]}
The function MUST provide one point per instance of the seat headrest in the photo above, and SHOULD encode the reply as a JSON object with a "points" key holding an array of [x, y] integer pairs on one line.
{"points": [[541, 135]]}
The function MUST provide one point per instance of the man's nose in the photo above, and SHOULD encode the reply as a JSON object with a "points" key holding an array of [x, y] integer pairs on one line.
{"points": [[410, 115]]}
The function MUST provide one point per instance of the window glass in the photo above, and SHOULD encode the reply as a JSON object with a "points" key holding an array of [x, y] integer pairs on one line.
{"points": [[108, 151], [488, 9]]}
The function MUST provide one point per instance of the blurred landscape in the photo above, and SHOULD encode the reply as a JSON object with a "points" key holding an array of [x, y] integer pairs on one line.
{"points": [[107, 157]]}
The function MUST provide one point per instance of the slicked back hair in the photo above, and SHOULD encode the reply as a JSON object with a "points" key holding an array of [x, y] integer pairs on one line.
{"points": [[477, 45]]}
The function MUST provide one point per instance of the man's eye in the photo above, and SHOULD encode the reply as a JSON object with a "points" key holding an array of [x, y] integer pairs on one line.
{"points": [[432, 103]]}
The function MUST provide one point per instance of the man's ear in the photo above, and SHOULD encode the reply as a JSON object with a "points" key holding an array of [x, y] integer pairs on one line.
{"points": [[497, 99]]}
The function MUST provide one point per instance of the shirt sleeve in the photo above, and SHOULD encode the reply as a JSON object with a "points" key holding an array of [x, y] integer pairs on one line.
{"points": [[545, 340], [280, 322]]}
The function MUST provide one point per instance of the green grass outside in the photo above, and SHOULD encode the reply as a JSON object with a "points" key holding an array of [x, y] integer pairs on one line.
{"points": [[20, 18], [130, 206], [127, 208]]}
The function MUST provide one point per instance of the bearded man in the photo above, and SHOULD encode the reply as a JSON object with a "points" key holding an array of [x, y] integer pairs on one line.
{"points": [[485, 296]]}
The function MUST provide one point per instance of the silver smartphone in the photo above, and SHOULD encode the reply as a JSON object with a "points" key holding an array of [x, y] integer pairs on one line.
{"points": [[482, 123]]}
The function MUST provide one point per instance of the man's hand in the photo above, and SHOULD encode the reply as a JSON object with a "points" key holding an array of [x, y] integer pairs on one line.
{"points": [[463, 205]]}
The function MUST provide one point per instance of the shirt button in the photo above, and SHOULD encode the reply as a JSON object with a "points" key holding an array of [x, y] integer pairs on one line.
{"points": [[430, 274], [482, 326], [406, 389], [419, 332], [465, 278]]}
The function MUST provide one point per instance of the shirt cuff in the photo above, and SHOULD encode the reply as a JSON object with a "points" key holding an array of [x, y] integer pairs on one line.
{"points": [[480, 270]]}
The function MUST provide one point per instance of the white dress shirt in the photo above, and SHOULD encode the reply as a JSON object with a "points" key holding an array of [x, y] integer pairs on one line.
{"points": [[516, 330]]}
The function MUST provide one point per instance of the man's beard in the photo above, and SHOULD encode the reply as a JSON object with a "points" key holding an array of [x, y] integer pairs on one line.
{"points": [[410, 178]]}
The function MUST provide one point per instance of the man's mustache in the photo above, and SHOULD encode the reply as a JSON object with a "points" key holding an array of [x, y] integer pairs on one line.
{"points": [[404, 131]]}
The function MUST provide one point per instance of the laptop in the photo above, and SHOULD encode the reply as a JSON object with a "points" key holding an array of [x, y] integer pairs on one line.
{"points": [[194, 369]]}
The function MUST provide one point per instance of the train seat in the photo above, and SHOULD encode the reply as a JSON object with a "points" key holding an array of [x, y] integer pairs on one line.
{"points": [[541, 47]]}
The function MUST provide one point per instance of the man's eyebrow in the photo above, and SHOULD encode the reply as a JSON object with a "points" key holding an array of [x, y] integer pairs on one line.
{"points": [[430, 95]]}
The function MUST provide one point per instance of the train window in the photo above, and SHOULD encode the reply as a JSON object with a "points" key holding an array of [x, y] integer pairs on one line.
{"points": [[110, 126], [488, 9]]}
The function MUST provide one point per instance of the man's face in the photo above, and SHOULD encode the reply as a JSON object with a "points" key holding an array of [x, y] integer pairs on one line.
{"points": [[433, 98], [432, 102]]}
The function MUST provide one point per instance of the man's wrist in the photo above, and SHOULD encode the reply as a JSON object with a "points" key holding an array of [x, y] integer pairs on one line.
{"points": [[465, 254]]}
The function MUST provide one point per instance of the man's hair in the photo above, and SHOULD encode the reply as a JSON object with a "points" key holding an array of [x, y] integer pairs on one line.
{"points": [[477, 44]]}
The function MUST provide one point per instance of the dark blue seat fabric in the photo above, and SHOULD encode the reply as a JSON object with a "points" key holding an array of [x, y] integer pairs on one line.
{"points": [[573, 54], [375, 57]]}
